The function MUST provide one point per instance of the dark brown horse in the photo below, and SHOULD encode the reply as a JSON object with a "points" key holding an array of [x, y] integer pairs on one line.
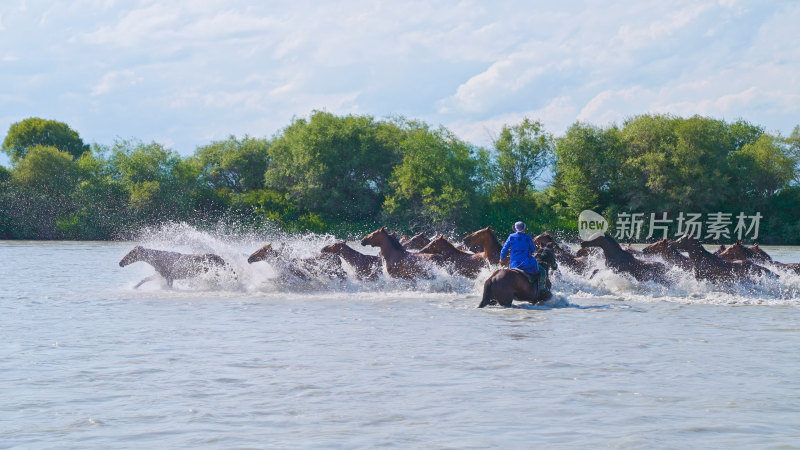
{"points": [[400, 263], [485, 240], [172, 265], [564, 256], [506, 285], [323, 265], [708, 266], [464, 263], [415, 242], [669, 254], [620, 260], [368, 267]]}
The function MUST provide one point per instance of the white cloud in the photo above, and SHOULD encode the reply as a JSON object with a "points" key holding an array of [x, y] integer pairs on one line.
{"points": [[193, 69], [113, 80]]}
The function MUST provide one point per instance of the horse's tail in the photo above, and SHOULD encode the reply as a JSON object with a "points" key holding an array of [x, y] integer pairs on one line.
{"points": [[487, 291]]}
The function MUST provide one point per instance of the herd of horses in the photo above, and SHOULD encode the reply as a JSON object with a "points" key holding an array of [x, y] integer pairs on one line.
{"points": [[417, 257]]}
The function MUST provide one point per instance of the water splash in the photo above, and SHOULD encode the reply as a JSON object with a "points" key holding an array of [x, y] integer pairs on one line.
{"points": [[265, 278]]}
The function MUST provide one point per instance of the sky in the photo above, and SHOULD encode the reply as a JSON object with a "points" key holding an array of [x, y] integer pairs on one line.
{"points": [[185, 73]]}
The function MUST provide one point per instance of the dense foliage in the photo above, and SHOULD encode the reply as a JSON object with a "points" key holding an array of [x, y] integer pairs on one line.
{"points": [[348, 174]]}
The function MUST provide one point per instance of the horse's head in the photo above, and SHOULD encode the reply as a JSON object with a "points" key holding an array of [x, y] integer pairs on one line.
{"points": [[599, 240], [760, 254], [379, 236], [736, 251], [476, 239], [657, 248], [132, 256], [546, 256], [336, 247], [261, 254], [416, 242], [544, 239], [686, 243], [438, 245]]}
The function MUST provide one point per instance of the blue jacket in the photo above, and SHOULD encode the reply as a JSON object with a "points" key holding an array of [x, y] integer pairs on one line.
{"points": [[521, 247]]}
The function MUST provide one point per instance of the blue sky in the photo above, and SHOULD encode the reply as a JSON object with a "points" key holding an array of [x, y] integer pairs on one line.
{"points": [[185, 73]]}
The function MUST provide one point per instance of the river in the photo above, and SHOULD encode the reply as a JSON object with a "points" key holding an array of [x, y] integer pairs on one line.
{"points": [[86, 361]]}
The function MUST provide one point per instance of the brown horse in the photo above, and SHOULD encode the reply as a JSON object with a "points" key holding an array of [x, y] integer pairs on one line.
{"points": [[415, 242], [672, 256], [707, 266], [323, 265], [740, 252], [506, 285], [620, 260], [172, 265], [486, 240], [400, 263], [464, 263], [760, 255], [368, 267], [564, 256]]}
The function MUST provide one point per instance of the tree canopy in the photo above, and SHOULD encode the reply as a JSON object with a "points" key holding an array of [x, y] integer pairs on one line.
{"points": [[332, 173], [34, 131]]}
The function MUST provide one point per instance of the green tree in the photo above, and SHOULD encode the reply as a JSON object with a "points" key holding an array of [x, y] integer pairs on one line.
{"points": [[523, 153], [102, 210], [234, 165], [47, 170], [335, 166], [159, 184], [764, 167], [676, 163], [589, 169], [40, 194], [34, 131], [435, 184], [793, 150]]}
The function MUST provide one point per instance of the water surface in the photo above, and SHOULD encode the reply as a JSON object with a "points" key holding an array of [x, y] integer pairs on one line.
{"points": [[86, 361]]}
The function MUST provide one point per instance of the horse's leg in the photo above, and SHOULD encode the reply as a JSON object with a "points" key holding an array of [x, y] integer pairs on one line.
{"points": [[487, 293], [150, 278], [505, 296]]}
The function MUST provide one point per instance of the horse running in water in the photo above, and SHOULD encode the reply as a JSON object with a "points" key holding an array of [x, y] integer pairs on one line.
{"points": [[368, 267], [738, 252], [464, 263], [672, 256], [707, 266], [563, 254], [173, 265], [400, 263], [620, 260], [486, 240], [415, 242], [323, 265], [506, 285], [754, 254]]}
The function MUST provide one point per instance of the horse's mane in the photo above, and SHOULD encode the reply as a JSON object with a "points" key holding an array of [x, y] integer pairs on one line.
{"points": [[393, 240]]}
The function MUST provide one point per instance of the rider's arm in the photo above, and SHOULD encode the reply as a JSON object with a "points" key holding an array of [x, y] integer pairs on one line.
{"points": [[506, 248]]}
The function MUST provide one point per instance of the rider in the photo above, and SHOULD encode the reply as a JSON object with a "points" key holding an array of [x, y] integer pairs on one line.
{"points": [[521, 247]]}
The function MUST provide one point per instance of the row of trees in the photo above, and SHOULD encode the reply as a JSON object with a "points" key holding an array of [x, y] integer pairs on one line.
{"points": [[348, 174]]}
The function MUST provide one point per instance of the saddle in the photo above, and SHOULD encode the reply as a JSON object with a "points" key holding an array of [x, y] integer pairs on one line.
{"points": [[533, 278], [539, 279]]}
